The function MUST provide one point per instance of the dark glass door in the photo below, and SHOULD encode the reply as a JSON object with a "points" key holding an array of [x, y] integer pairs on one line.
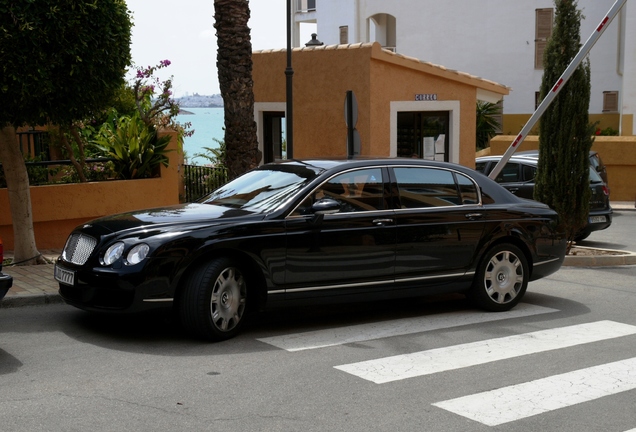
{"points": [[273, 136], [423, 135]]}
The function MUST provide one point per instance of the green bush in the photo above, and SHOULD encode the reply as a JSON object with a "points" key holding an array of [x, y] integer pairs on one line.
{"points": [[135, 148]]}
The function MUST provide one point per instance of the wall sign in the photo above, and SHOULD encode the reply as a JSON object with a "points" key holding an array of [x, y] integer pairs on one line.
{"points": [[426, 97]]}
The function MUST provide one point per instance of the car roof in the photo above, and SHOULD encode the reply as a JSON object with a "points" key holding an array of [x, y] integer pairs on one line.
{"points": [[323, 166], [319, 165], [515, 158]]}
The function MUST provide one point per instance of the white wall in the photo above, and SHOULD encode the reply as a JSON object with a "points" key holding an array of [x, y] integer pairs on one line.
{"points": [[493, 39]]}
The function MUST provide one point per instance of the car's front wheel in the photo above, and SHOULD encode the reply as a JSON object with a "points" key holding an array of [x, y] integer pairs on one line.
{"points": [[213, 302], [501, 279]]}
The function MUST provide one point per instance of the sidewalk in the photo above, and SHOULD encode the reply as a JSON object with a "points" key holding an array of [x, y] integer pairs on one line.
{"points": [[34, 285]]}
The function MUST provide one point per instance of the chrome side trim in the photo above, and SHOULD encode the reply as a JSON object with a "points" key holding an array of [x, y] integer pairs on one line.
{"points": [[158, 300], [421, 278], [387, 281], [546, 262], [327, 287]]}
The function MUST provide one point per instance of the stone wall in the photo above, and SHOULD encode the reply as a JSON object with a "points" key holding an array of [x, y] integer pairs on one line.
{"points": [[57, 209]]}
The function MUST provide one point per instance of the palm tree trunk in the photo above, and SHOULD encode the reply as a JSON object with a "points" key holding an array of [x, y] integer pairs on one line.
{"points": [[234, 63]]}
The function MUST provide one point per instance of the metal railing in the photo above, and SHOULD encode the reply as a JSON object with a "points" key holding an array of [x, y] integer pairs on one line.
{"points": [[34, 143], [39, 171], [201, 180], [198, 180]]}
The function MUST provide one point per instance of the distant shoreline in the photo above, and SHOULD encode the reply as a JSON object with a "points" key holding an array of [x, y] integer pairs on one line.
{"points": [[200, 101]]}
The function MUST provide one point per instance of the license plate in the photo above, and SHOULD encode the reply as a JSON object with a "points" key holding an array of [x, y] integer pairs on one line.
{"points": [[598, 219], [64, 276]]}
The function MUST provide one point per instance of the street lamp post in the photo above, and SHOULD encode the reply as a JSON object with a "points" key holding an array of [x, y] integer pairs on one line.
{"points": [[289, 72]]}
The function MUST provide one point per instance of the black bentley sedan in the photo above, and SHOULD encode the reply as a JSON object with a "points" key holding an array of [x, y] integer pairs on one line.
{"points": [[314, 231]]}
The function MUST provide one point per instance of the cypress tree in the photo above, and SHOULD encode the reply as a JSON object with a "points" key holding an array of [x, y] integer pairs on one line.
{"points": [[565, 135]]}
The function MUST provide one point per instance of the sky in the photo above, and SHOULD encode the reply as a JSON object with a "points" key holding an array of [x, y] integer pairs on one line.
{"points": [[182, 31]]}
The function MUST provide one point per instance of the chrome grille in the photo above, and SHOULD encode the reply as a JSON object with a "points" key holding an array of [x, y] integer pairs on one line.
{"points": [[78, 248]]}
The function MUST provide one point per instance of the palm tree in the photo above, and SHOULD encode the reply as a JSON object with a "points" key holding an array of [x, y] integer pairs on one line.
{"points": [[487, 123], [234, 64]]}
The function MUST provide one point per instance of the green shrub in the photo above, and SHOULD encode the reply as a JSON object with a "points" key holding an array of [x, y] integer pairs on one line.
{"points": [[135, 148]]}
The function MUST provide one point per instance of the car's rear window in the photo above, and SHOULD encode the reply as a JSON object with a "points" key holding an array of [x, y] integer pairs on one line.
{"points": [[594, 176]]}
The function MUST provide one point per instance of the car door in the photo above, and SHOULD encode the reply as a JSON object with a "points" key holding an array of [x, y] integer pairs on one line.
{"points": [[517, 177], [349, 251], [439, 223]]}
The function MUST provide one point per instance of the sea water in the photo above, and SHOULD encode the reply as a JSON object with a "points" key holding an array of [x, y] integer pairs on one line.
{"points": [[207, 124]]}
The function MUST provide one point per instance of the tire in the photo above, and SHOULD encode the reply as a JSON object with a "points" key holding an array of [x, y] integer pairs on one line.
{"points": [[501, 279], [213, 302]]}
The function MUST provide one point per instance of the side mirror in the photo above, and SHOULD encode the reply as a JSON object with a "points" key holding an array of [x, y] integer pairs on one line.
{"points": [[325, 206]]}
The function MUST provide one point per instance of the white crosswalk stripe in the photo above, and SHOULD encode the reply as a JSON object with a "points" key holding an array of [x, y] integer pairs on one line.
{"points": [[497, 406], [459, 356], [364, 332], [515, 402]]}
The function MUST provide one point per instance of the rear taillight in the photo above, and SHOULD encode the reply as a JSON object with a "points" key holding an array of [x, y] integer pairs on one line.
{"points": [[605, 190]]}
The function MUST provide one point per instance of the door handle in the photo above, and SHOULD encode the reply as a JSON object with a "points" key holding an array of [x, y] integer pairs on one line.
{"points": [[381, 222], [474, 216]]}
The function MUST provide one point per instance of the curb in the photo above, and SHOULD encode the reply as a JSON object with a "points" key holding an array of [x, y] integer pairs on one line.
{"points": [[30, 300], [619, 258]]}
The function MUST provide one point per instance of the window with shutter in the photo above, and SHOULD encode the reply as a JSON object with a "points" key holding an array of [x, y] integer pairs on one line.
{"points": [[610, 101], [543, 31]]}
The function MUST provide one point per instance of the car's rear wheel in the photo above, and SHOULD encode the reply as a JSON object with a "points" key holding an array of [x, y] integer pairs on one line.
{"points": [[501, 279], [213, 303]]}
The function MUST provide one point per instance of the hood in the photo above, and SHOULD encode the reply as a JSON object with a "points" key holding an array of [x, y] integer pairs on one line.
{"points": [[179, 215]]}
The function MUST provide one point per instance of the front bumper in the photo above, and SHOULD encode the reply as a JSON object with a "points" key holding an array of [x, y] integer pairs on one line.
{"points": [[107, 290]]}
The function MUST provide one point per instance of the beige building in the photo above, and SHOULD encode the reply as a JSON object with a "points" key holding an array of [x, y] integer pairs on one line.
{"points": [[405, 107]]}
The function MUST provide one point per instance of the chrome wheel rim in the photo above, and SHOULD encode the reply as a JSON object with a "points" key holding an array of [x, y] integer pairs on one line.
{"points": [[228, 300], [503, 277]]}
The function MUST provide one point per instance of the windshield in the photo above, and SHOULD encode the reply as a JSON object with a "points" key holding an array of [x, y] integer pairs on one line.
{"points": [[261, 190]]}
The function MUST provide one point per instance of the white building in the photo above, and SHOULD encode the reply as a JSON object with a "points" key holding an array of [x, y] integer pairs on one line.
{"points": [[500, 40]]}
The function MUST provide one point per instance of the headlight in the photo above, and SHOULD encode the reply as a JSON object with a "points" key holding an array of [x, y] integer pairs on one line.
{"points": [[113, 253], [137, 254]]}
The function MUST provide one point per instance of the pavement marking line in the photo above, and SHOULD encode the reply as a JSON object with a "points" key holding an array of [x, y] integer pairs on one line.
{"points": [[515, 402], [365, 332], [421, 363]]}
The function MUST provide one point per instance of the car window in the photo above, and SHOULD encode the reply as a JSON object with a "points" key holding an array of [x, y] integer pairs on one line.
{"points": [[595, 160], [509, 173], [356, 191], [529, 172], [595, 177], [467, 189], [426, 187], [481, 167]]}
